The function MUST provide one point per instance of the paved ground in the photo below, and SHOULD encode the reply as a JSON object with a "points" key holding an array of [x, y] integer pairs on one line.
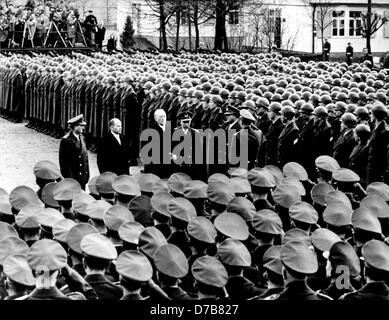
{"points": [[21, 148]]}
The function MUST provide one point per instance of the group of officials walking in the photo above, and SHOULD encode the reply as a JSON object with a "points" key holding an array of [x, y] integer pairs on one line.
{"points": [[311, 197]]}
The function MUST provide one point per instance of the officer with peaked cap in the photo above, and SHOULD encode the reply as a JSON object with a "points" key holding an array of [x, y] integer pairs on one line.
{"points": [[73, 155], [288, 138], [345, 144], [376, 257], [298, 262], [273, 133]]}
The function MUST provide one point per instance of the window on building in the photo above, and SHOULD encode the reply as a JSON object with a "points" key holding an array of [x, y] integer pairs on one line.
{"points": [[233, 17], [338, 23], [355, 23]]}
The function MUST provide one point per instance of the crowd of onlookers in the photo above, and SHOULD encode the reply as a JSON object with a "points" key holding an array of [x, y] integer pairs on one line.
{"points": [[49, 25]]}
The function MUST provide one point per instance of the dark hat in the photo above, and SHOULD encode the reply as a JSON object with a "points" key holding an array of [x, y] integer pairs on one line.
{"points": [[147, 182], [12, 245], [177, 182], [115, 216], [61, 229], [195, 189], [220, 192], [46, 170], [377, 206], [171, 261], [141, 209], [200, 228], [272, 259], [104, 183], [210, 271], [345, 175], [297, 256], [232, 226], [48, 254], [66, 189], [323, 239], [267, 221], [343, 254], [134, 265], [376, 254], [232, 252], [78, 120], [96, 210], [126, 185], [232, 110], [48, 195], [16, 268], [319, 191], [364, 219], [284, 196], [77, 233], [98, 246], [327, 163], [262, 178], [185, 116], [130, 231], [245, 114], [297, 234], [22, 196], [337, 214], [296, 170], [159, 202], [243, 207], [303, 212], [379, 189], [150, 240], [182, 209]]}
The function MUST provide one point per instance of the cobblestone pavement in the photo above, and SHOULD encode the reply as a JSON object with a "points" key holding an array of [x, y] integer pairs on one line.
{"points": [[21, 148]]}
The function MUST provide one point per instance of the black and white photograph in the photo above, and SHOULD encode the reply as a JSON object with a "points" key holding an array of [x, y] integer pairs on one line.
{"points": [[212, 151]]}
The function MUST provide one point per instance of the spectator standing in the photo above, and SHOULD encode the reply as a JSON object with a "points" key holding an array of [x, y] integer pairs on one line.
{"points": [[91, 28], [100, 35], [71, 27], [327, 50]]}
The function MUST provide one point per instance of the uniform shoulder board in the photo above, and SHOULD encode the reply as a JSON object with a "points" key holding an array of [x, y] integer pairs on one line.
{"points": [[274, 296], [323, 296]]}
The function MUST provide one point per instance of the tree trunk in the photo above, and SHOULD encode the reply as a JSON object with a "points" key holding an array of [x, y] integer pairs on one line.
{"points": [[189, 29], [163, 42], [196, 24], [220, 25], [368, 25], [178, 21]]}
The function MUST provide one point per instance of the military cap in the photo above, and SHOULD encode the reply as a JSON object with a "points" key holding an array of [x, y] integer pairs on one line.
{"points": [[96, 209], [159, 202], [275, 107], [48, 195], [379, 108], [342, 253], [232, 225], [303, 212], [10, 245], [141, 209], [345, 175], [296, 234], [177, 182], [307, 108], [349, 119], [3, 192], [245, 114], [183, 92], [195, 189], [61, 229], [80, 203], [47, 253], [377, 205], [92, 186], [48, 217], [22, 196], [275, 172], [134, 265], [263, 103], [321, 112], [319, 191], [115, 216], [323, 239], [77, 121], [294, 169], [46, 170], [267, 221], [171, 261], [220, 192], [285, 196], [232, 110], [338, 197], [147, 182], [5, 206], [77, 233], [297, 256], [242, 207], [98, 246], [240, 185], [272, 259], [202, 229], [379, 189], [187, 115], [182, 209], [261, 178], [238, 172], [27, 218], [232, 252], [126, 185], [337, 214], [376, 255], [210, 271], [130, 231], [364, 219], [327, 163], [66, 189], [150, 240], [16, 268], [218, 177], [104, 183], [294, 183]]}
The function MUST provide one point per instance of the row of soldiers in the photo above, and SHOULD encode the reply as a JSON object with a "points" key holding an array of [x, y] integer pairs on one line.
{"points": [[264, 234]]}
